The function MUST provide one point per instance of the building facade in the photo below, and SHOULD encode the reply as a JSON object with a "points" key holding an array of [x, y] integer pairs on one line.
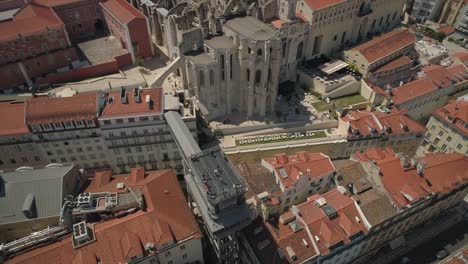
{"points": [[34, 43], [96, 131], [335, 25], [386, 51], [446, 129], [427, 9], [165, 232], [299, 176]]}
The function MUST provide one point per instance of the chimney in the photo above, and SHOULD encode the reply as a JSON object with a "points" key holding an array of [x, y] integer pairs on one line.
{"points": [[136, 95], [281, 158], [102, 178], [123, 96], [302, 155], [137, 174]]}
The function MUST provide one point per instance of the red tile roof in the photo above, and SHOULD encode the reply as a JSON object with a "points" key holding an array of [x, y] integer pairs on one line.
{"points": [[400, 61], [385, 45], [122, 10], [30, 20], [445, 76], [329, 230], [54, 3], [455, 114], [167, 215], [116, 108], [313, 165], [463, 56], [376, 122], [48, 110], [447, 30], [412, 90], [12, 119], [442, 172], [318, 4]]}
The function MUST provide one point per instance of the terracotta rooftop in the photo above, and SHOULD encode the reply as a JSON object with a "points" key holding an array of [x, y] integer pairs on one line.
{"points": [[333, 224], [445, 76], [258, 178], [412, 90], [446, 29], [54, 3], [318, 4], [400, 61], [374, 203], [123, 11], [166, 219], [12, 119], [116, 108], [48, 110], [455, 114], [440, 172], [30, 20], [385, 45], [290, 168], [463, 56], [376, 122]]}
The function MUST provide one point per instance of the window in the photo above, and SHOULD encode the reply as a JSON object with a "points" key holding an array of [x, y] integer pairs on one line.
{"points": [[45, 48], [167, 254], [182, 247], [107, 122], [119, 121], [211, 77], [259, 52], [444, 147], [248, 75], [32, 51], [441, 133], [144, 118], [449, 139], [459, 146], [201, 78], [36, 158], [258, 76], [184, 256]]}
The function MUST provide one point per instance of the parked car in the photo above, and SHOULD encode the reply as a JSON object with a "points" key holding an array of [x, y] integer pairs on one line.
{"points": [[442, 253]]}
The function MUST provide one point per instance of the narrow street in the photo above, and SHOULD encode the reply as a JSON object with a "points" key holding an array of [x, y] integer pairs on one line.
{"points": [[453, 239]]}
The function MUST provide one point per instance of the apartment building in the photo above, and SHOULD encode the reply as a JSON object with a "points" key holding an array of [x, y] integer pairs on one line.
{"points": [[117, 130], [447, 129], [298, 176], [33, 44], [427, 9], [17, 147], [165, 232], [419, 97], [418, 189], [384, 55], [335, 24], [451, 11], [82, 18], [461, 23], [317, 230], [369, 129]]}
